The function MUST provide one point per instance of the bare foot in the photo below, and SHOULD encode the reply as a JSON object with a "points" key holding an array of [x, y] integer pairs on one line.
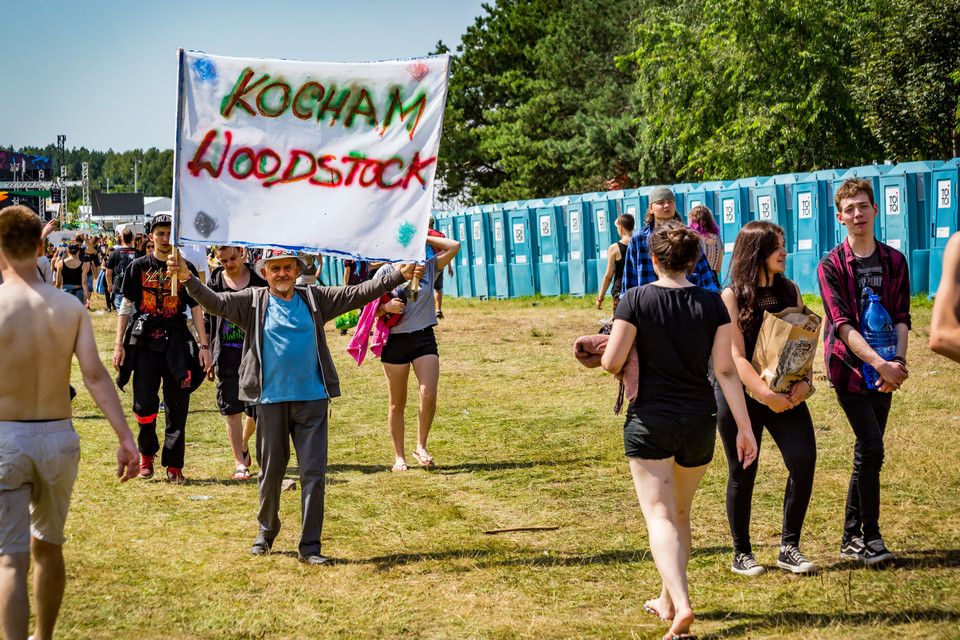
{"points": [[662, 610], [682, 619]]}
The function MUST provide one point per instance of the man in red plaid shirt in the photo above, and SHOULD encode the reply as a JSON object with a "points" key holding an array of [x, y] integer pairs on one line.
{"points": [[859, 262]]}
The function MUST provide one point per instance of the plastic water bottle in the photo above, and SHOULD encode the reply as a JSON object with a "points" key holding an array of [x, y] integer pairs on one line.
{"points": [[877, 328]]}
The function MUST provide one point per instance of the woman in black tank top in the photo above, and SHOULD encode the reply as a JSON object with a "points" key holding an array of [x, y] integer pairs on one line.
{"points": [[616, 256], [757, 284], [72, 274]]}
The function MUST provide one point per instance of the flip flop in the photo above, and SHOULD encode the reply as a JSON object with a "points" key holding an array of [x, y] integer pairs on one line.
{"points": [[653, 611], [242, 473], [425, 460], [680, 636], [399, 467], [247, 460]]}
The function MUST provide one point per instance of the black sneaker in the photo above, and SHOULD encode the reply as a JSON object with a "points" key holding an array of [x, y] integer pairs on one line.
{"points": [[852, 549], [746, 565], [875, 552], [314, 559], [261, 546], [792, 560]]}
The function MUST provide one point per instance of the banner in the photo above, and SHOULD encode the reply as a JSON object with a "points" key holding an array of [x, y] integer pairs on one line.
{"points": [[329, 157]]}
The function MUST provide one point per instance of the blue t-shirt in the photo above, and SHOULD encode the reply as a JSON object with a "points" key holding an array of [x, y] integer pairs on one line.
{"points": [[291, 370]]}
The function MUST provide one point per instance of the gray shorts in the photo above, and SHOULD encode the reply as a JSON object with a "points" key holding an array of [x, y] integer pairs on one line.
{"points": [[38, 466]]}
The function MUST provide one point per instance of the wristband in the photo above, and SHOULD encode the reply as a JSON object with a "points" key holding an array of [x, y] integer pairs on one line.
{"points": [[900, 359], [204, 346]]}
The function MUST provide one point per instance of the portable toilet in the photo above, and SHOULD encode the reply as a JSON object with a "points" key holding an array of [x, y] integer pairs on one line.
{"points": [[481, 251], [871, 172], [445, 225], [734, 205], [813, 220], [772, 203], [463, 271], [944, 216], [905, 220], [523, 249], [499, 224], [605, 211], [682, 192], [550, 245], [580, 278], [705, 194], [631, 203]]}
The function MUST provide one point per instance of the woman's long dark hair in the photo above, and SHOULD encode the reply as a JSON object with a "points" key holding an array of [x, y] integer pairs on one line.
{"points": [[755, 242]]}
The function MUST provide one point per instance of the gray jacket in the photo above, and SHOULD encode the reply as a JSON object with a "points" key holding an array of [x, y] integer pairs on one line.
{"points": [[248, 310]]}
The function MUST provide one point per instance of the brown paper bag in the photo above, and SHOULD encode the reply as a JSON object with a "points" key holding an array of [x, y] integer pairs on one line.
{"points": [[786, 347]]}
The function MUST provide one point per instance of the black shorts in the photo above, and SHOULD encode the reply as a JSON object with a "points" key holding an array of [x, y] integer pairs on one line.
{"points": [[438, 283], [228, 382], [690, 440], [404, 348]]}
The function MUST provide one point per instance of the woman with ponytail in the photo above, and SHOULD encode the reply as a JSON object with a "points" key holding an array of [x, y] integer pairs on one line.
{"points": [[670, 430]]}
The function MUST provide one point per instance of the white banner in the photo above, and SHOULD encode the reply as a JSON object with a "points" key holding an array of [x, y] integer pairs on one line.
{"points": [[329, 157]]}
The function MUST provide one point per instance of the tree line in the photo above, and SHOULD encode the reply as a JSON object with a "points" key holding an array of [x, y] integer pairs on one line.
{"points": [[552, 97]]}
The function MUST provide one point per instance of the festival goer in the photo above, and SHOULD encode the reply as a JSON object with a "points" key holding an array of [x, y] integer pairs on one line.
{"points": [[226, 350], [701, 221], [149, 246], [40, 331], [117, 263], [616, 256], [288, 373], [670, 429], [757, 285], [438, 283], [91, 255], [72, 274], [412, 342], [163, 351], [638, 267], [859, 262], [945, 324]]}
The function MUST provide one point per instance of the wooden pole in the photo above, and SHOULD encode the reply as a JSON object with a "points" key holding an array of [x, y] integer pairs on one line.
{"points": [[175, 278], [512, 529]]}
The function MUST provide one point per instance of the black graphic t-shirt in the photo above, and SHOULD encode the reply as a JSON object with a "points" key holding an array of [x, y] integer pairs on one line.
{"points": [[231, 336], [147, 284], [868, 272]]}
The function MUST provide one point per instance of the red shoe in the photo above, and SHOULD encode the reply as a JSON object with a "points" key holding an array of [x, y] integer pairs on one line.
{"points": [[175, 475], [146, 467]]}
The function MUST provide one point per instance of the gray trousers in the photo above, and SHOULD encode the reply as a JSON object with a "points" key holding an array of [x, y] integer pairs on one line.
{"points": [[306, 424]]}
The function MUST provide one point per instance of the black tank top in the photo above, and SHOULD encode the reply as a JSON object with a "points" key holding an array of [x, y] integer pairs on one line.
{"points": [[71, 276], [777, 297], [618, 269]]}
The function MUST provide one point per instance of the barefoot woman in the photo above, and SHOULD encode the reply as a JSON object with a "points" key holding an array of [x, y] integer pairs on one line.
{"points": [[670, 429]]}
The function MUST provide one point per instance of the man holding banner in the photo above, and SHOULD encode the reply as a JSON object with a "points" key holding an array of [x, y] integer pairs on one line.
{"points": [[286, 371]]}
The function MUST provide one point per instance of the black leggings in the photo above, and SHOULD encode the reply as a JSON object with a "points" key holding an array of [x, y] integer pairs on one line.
{"points": [[792, 431]]}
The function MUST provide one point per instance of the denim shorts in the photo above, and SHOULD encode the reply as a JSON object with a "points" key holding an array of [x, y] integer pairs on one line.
{"points": [[690, 440]]}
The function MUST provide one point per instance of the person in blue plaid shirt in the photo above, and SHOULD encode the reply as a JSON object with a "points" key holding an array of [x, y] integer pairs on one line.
{"points": [[638, 267]]}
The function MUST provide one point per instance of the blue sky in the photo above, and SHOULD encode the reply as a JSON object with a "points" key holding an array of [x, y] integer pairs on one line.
{"points": [[103, 73]]}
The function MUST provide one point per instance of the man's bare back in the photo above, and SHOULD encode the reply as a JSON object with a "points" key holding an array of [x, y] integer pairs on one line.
{"points": [[39, 330]]}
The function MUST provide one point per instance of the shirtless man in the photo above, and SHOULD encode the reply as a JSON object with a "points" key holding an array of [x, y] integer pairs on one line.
{"points": [[40, 330], [945, 325]]}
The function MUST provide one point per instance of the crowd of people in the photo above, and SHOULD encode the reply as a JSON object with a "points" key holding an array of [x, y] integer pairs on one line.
{"points": [[256, 326]]}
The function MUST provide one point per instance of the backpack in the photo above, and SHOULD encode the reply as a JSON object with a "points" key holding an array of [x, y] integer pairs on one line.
{"points": [[124, 258]]}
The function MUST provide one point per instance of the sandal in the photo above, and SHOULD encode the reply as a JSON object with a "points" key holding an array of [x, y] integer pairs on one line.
{"points": [[242, 473], [424, 458], [400, 466], [247, 460]]}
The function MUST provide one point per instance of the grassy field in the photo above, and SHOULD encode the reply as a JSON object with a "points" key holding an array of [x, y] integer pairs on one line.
{"points": [[524, 436]]}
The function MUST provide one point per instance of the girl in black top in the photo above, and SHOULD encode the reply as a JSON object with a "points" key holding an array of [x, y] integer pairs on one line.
{"points": [[670, 429], [616, 255], [757, 284], [72, 274]]}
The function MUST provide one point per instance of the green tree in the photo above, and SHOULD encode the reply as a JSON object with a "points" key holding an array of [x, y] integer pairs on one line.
{"points": [[536, 105], [909, 83]]}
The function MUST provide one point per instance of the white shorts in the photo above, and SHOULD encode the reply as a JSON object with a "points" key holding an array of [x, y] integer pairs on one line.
{"points": [[38, 466]]}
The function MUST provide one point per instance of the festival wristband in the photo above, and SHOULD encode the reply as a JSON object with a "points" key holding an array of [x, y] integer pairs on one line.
{"points": [[204, 346], [900, 359]]}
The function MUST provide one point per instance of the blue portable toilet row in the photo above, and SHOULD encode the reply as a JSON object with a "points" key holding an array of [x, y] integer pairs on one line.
{"points": [[559, 245]]}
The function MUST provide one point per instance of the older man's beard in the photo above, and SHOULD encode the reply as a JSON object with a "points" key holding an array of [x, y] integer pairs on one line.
{"points": [[284, 285]]}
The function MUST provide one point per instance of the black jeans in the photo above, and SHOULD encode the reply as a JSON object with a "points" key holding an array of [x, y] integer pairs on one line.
{"points": [[149, 371], [867, 413], [792, 431]]}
